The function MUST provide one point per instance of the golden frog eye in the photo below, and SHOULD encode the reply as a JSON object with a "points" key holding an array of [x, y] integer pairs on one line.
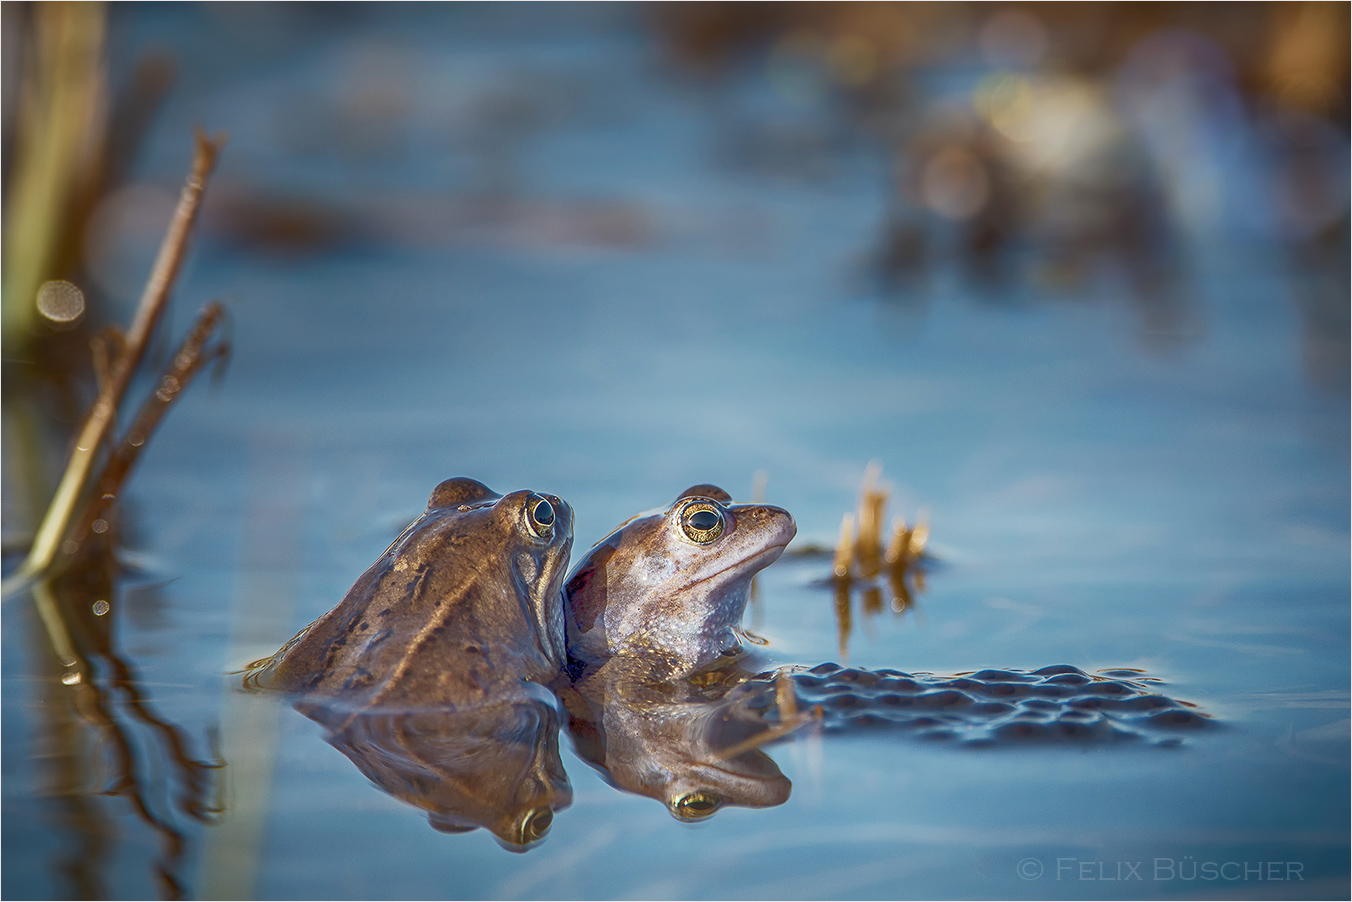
{"points": [[702, 522], [537, 824], [540, 516], [695, 805]]}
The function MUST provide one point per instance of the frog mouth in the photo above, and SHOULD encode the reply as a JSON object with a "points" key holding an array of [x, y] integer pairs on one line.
{"points": [[751, 561]]}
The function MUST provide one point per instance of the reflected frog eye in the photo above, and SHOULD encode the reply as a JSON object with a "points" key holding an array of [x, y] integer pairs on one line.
{"points": [[540, 516], [537, 824], [702, 522], [695, 805]]}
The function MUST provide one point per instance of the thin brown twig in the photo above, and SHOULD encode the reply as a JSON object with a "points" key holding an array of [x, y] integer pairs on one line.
{"points": [[185, 365], [105, 347], [104, 412]]}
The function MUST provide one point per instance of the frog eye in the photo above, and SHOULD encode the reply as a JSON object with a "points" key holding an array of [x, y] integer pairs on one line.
{"points": [[540, 516], [695, 805], [536, 824], [702, 522]]}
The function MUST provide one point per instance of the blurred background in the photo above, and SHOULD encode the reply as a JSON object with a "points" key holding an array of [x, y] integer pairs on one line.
{"points": [[1077, 275]]}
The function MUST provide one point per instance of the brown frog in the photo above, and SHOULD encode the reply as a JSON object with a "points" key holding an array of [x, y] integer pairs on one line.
{"points": [[671, 585], [650, 614], [461, 609]]}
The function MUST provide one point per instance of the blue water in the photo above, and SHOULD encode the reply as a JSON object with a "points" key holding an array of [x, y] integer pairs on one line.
{"points": [[1098, 494]]}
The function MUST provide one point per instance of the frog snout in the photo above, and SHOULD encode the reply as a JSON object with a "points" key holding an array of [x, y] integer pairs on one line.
{"points": [[774, 526]]}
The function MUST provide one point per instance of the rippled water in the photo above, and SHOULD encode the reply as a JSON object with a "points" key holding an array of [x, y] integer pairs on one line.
{"points": [[650, 311]]}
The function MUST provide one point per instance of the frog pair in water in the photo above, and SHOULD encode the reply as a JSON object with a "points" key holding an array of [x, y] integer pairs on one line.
{"points": [[469, 602], [439, 674], [430, 673]]}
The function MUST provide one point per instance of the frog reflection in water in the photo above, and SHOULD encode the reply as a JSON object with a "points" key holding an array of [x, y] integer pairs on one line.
{"points": [[650, 614], [429, 674], [661, 706]]}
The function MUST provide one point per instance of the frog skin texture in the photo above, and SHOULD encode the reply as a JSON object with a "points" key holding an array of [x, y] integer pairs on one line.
{"points": [[460, 610], [431, 674], [671, 585]]}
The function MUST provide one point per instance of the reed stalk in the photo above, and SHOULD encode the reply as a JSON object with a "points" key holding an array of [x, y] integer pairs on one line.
{"points": [[103, 415]]}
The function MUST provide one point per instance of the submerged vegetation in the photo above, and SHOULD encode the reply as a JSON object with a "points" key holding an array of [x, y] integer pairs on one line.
{"points": [[70, 151]]}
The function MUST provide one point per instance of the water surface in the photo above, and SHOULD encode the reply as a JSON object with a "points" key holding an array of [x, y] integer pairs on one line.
{"points": [[648, 305]]}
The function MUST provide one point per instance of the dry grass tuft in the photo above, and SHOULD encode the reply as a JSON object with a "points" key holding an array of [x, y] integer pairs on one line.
{"points": [[862, 557]]}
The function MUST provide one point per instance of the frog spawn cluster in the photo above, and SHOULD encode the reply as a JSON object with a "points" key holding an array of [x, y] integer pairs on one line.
{"points": [[1059, 703]]}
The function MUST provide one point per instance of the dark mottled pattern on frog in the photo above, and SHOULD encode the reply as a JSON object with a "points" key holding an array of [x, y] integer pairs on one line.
{"points": [[1060, 703]]}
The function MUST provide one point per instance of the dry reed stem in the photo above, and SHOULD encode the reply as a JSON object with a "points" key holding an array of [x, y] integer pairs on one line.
{"points": [[785, 698], [105, 347], [184, 366], [902, 597], [868, 545], [844, 622], [55, 624], [104, 413], [862, 553], [919, 538], [844, 548], [900, 542]]}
